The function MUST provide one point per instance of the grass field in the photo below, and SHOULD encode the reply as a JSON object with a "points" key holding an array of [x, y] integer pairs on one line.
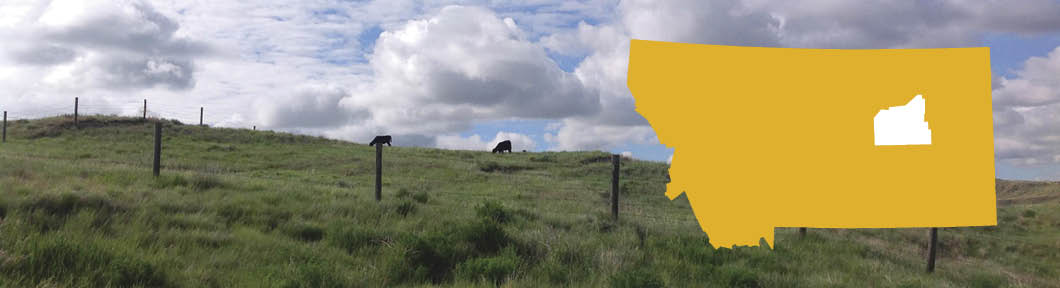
{"points": [[234, 207]]}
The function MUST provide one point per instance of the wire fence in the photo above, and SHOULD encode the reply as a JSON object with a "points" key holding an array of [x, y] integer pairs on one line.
{"points": [[199, 115], [129, 108]]}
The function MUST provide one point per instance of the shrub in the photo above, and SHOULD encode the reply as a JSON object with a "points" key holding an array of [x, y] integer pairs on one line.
{"points": [[223, 148], [642, 187], [68, 203], [423, 259], [315, 275], [694, 249], [433, 256], [603, 222], [911, 283], [198, 182], [597, 159], [568, 263], [85, 263], [235, 213], [353, 238], [182, 221], [637, 278], [734, 276], [495, 211], [402, 193], [984, 280], [50, 211], [405, 208], [493, 269], [202, 182], [421, 197], [272, 217], [486, 237], [303, 231], [167, 181], [1029, 214], [544, 158], [491, 166]]}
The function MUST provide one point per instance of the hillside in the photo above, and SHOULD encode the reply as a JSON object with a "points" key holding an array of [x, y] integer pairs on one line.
{"points": [[234, 207]]}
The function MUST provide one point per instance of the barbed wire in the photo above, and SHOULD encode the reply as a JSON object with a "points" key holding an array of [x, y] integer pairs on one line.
{"points": [[86, 107], [191, 115]]}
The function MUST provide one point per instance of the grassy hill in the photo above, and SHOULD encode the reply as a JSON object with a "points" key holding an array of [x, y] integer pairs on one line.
{"points": [[233, 207]]}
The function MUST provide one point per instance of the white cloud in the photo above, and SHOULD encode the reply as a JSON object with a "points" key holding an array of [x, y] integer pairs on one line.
{"points": [[582, 135], [724, 22], [1035, 84], [606, 47], [475, 142], [301, 66], [439, 75], [97, 48], [312, 106], [819, 24], [1027, 113], [467, 57], [904, 24]]}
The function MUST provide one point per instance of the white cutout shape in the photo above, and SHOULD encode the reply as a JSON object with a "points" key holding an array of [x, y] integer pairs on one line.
{"points": [[902, 125]]}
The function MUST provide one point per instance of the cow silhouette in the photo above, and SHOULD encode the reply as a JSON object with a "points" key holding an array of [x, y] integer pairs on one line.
{"points": [[380, 140], [505, 145]]}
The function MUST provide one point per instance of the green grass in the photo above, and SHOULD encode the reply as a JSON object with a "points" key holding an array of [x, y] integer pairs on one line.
{"points": [[233, 207]]}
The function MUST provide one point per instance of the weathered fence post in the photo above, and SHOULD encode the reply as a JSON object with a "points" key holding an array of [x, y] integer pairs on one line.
{"points": [[145, 109], [802, 232], [378, 172], [931, 249], [200, 116], [616, 159], [255, 127], [75, 113], [158, 147], [5, 127]]}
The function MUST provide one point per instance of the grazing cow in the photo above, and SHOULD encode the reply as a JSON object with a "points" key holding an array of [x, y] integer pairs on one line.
{"points": [[380, 140], [505, 145]]}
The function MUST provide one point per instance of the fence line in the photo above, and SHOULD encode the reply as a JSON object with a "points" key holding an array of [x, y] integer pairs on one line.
{"points": [[130, 108], [188, 116]]}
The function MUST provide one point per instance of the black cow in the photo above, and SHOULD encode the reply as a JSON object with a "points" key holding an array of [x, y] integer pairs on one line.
{"points": [[505, 145], [380, 140]]}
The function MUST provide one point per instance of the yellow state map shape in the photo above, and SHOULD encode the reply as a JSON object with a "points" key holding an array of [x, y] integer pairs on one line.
{"points": [[781, 137]]}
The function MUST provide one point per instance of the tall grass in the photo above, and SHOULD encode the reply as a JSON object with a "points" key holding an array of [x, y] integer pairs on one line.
{"points": [[239, 208]]}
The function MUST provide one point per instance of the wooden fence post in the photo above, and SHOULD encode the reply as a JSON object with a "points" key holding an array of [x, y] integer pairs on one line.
{"points": [[615, 159], [145, 109], [200, 116], [931, 250], [75, 114], [378, 172], [802, 232], [5, 127], [158, 148]]}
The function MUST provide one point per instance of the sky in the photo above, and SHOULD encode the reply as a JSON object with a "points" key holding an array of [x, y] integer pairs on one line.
{"points": [[548, 75]]}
